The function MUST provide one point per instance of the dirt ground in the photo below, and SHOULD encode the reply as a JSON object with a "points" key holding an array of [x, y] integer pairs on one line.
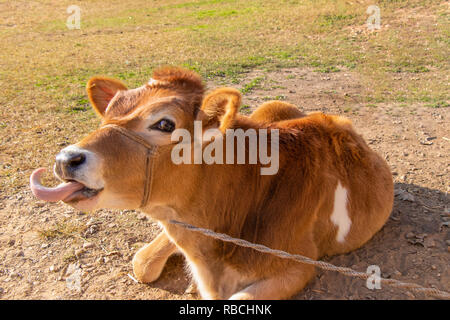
{"points": [[50, 251]]}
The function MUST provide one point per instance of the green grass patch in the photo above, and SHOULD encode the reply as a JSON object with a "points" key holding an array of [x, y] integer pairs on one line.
{"points": [[245, 109], [279, 97], [253, 84], [333, 20], [64, 229], [439, 104], [327, 69]]}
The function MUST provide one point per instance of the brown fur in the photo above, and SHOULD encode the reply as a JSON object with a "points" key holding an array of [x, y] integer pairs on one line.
{"points": [[275, 111], [289, 211]]}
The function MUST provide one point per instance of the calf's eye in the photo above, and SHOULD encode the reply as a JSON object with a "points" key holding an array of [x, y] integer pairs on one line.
{"points": [[163, 125]]}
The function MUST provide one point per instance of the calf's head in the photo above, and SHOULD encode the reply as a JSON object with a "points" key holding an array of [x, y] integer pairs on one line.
{"points": [[107, 169], [110, 169]]}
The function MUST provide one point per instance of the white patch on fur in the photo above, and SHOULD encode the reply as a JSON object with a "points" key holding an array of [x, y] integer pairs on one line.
{"points": [[340, 216], [242, 295], [154, 82]]}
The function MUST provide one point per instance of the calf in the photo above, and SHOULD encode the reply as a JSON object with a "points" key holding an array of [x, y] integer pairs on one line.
{"points": [[331, 194]]}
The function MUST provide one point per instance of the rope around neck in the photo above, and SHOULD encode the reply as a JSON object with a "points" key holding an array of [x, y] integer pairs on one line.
{"points": [[152, 152]]}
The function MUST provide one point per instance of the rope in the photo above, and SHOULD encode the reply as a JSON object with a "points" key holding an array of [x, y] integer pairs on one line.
{"points": [[152, 151], [132, 135], [320, 264]]}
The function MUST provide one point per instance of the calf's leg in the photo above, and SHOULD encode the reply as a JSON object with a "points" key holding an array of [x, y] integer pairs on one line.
{"points": [[281, 286], [149, 261]]}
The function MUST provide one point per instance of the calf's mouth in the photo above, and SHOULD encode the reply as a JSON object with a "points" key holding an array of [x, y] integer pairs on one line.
{"points": [[82, 194], [69, 191]]}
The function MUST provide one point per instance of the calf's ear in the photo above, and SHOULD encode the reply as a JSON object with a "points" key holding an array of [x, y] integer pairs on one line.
{"points": [[221, 107], [100, 92]]}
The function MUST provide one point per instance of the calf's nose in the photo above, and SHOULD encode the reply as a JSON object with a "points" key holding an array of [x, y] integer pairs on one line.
{"points": [[75, 160], [69, 160]]}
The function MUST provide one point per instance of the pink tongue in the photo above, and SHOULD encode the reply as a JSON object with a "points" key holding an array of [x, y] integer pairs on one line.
{"points": [[60, 192]]}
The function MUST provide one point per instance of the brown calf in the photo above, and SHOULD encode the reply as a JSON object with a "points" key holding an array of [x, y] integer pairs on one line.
{"points": [[331, 194]]}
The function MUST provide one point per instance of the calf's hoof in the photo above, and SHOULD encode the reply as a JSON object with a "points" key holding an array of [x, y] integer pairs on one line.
{"points": [[147, 269]]}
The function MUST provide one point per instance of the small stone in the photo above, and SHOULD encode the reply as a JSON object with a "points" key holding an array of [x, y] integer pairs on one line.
{"points": [[91, 230], [131, 240], [410, 235], [406, 196], [397, 273], [430, 243], [88, 245], [447, 242], [51, 268], [73, 281], [45, 245], [112, 225], [433, 267], [142, 217], [445, 224], [91, 222]]}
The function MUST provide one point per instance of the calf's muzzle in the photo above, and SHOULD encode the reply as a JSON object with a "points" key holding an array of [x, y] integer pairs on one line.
{"points": [[68, 161]]}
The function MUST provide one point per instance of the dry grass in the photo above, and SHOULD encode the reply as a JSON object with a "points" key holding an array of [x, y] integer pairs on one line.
{"points": [[44, 66], [63, 229]]}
